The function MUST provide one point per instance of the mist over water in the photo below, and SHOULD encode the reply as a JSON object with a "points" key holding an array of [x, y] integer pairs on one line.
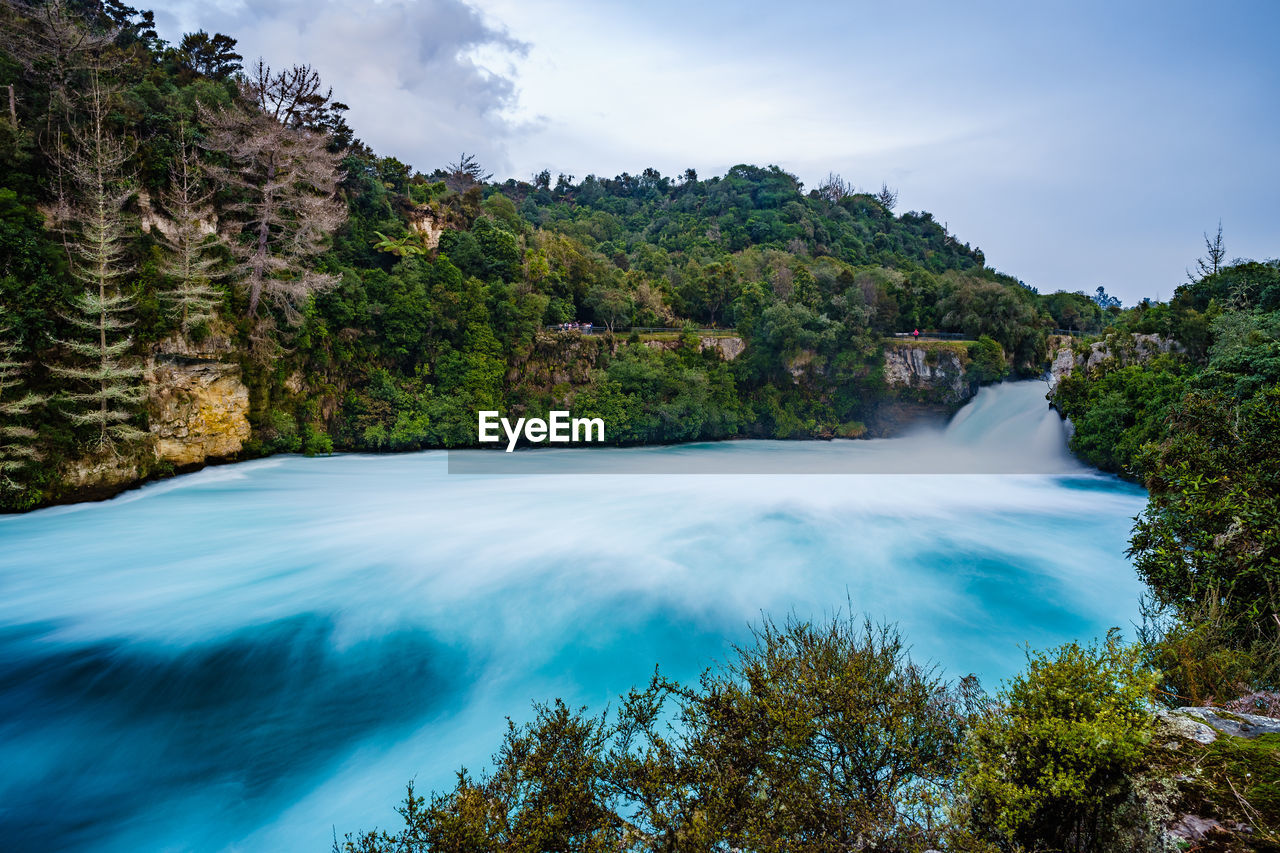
{"points": [[243, 657]]}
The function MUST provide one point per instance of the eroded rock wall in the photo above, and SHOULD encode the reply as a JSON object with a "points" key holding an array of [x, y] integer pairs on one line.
{"points": [[197, 411], [1067, 354], [936, 372]]}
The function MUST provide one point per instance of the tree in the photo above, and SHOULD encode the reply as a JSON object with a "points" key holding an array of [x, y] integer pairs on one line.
{"points": [[824, 736], [191, 241], [611, 305], [106, 387], [816, 737], [213, 56], [290, 97], [986, 360], [1209, 529], [835, 188], [400, 247], [546, 792], [1104, 300], [17, 440], [1215, 256], [285, 180], [465, 173], [888, 198], [55, 48]]}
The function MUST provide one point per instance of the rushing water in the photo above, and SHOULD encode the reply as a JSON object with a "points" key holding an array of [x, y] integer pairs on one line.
{"points": [[244, 657]]}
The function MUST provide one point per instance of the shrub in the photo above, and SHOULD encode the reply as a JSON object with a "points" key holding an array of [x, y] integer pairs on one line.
{"points": [[814, 738], [1053, 763], [986, 360], [1199, 660], [316, 442]]}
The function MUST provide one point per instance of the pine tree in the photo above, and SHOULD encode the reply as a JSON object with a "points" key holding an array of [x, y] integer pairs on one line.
{"points": [[191, 241], [105, 386], [17, 440]]}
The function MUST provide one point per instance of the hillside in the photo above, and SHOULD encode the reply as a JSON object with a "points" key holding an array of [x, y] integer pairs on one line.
{"points": [[201, 261]]}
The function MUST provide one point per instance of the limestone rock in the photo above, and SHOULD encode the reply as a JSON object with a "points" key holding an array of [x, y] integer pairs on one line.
{"points": [[1231, 723], [426, 225], [938, 371], [198, 404], [1135, 349], [1172, 725], [99, 475], [199, 410], [730, 348]]}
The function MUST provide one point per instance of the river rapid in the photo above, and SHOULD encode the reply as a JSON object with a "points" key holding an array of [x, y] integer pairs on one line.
{"points": [[245, 657]]}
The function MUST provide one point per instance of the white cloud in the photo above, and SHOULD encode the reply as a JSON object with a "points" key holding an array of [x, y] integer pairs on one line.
{"points": [[405, 67]]}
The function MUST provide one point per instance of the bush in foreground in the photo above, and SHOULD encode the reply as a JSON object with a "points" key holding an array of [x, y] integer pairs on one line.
{"points": [[813, 737], [1052, 768]]}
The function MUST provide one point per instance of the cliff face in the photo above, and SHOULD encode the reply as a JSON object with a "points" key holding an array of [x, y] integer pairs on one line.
{"points": [[557, 361], [928, 373], [200, 412], [1066, 356], [925, 381], [197, 403], [1227, 808], [729, 347], [197, 408]]}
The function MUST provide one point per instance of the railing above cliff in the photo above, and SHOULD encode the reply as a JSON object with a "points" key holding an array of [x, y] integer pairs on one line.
{"points": [[959, 336], [930, 336], [584, 329]]}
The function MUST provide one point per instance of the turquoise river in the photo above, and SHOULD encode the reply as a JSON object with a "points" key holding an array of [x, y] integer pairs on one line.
{"points": [[247, 657]]}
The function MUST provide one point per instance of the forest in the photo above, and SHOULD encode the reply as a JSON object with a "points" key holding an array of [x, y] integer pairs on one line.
{"points": [[154, 192], [181, 194]]}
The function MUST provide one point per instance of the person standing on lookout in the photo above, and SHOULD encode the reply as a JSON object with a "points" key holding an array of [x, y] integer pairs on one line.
{"points": [[916, 334]]}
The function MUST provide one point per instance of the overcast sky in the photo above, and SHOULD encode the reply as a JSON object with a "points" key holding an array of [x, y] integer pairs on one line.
{"points": [[1078, 144]]}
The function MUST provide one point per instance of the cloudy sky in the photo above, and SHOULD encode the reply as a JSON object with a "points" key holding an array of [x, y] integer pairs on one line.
{"points": [[1079, 144]]}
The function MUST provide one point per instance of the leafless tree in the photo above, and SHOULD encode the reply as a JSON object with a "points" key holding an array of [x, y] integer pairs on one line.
{"points": [[291, 97], [888, 198], [191, 241], [287, 181], [835, 188], [54, 47], [105, 384], [1215, 256], [465, 173], [17, 440]]}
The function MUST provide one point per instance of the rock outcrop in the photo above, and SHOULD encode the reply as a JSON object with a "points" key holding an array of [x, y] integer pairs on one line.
{"points": [[197, 411], [198, 404], [729, 347], [926, 381], [427, 226], [1211, 779], [1065, 358], [1204, 725], [936, 371]]}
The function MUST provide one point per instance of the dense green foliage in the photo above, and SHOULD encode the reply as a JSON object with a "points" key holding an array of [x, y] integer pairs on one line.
{"points": [[1199, 428], [1052, 766], [814, 737], [428, 296], [829, 738]]}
